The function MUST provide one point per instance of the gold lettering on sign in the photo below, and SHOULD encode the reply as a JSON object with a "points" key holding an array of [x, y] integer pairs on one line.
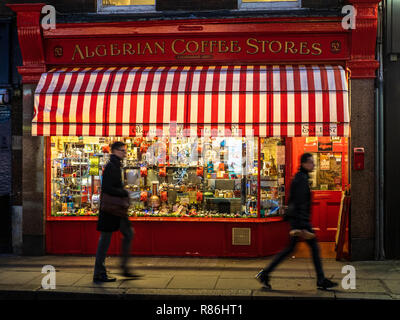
{"points": [[275, 48], [290, 46], [148, 48], [203, 48], [173, 46], [87, 55], [103, 53], [222, 48], [127, 49], [161, 47], [79, 51], [192, 47], [317, 47], [114, 50], [235, 48], [252, 45], [303, 48]]}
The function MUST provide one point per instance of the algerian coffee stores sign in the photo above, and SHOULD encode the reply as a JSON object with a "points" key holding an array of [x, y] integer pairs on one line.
{"points": [[188, 50]]}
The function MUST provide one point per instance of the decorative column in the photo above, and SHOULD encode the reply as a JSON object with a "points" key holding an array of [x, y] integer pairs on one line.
{"points": [[31, 223], [363, 66]]}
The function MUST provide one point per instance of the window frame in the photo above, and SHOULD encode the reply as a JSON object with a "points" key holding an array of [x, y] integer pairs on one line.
{"points": [[242, 6], [125, 9], [275, 5]]}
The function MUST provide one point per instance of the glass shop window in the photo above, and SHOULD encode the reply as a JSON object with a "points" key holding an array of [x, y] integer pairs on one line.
{"points": [[115, 6], [327, 174], [268, 4], [206, 177]]}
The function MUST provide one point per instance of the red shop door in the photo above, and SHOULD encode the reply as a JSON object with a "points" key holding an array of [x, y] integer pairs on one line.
{"points": [[328, 179]]}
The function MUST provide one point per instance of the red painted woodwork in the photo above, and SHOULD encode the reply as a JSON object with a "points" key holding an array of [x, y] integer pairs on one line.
{"points": [[30, 40], [356, 46], [166, 236], [363, 38], [170, 237], [325, 205], [197, 49]]}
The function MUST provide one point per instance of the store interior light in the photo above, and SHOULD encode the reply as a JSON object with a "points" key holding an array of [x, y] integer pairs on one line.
{"points": [[4, 96]]}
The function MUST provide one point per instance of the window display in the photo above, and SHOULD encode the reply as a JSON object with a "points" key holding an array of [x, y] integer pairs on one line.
{"points": [[328, 171], [172, 176]]}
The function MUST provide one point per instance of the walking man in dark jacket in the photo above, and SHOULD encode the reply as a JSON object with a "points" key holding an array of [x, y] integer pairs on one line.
{"points": [[299, 218], [108, 223]]}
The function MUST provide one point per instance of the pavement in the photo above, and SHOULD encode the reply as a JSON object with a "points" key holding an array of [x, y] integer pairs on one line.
{"points": [[188, 278]]}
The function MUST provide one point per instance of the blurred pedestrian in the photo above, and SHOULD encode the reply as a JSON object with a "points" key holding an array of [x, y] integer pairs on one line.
{"points": [[109, 222], [299, 216]]}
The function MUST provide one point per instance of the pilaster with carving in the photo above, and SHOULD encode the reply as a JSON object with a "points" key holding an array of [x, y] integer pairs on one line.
{"points": [[363, 40], [30, 40]]}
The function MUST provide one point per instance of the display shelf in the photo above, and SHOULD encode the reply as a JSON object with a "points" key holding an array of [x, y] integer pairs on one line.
{"points": [[174, 219], [216, 198]]}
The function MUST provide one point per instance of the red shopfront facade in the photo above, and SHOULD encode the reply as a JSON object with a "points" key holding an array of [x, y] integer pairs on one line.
{"points": [[289, 51]]}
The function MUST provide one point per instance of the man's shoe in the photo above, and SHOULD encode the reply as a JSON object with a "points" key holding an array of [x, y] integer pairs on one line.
{"points": [[103, 278], [263, 279], [326, 284], [129, 274]]}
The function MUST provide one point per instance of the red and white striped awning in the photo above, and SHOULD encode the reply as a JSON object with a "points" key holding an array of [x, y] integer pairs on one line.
{"points": [[264, 101]]}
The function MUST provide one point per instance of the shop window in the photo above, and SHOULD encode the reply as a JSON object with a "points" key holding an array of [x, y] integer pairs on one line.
{"points": [[115, 6], [172, 177], [268, 4], [327, 174]]}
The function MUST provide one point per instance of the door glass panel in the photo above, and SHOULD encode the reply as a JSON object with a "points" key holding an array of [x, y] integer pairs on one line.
{"points": [[327, 174]]}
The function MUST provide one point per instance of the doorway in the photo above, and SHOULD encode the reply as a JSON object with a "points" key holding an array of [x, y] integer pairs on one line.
{"points": [[328, 180]]}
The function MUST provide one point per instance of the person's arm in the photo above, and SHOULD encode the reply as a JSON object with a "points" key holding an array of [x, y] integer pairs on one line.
{"points": [[110, 183]]}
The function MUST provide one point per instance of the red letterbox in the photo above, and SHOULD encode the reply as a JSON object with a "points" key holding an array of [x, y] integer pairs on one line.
{"points": [[358, 158]]}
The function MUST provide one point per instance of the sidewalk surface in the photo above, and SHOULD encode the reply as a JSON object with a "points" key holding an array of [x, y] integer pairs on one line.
{"points": [[193, 278]]}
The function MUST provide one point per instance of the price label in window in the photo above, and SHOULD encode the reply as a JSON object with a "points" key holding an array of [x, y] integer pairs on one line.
{"points": [[324, 162]]}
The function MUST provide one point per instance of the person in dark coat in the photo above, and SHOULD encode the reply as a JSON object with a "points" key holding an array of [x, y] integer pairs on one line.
{"points": [[109, 223], [299, 216]]}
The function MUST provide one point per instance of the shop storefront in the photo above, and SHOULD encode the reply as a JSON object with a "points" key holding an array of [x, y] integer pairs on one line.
{"points": [[214, 127]]}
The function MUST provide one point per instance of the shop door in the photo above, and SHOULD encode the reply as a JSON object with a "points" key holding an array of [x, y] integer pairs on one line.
{"points": [[328, 180]]}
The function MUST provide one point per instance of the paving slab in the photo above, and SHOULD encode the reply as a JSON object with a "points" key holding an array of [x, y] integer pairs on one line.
{"points": [[87, 281], [70, 293], [62, 279], [362, 296], [392, 285], [291, 294], [189, 293], [195, 282], [18, 277], [390, 274], [235, 283], [293, 284], [146, 282], [364, 286]]}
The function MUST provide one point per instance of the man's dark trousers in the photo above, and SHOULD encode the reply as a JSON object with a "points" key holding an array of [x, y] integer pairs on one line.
{"points": [[313, 244]]}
